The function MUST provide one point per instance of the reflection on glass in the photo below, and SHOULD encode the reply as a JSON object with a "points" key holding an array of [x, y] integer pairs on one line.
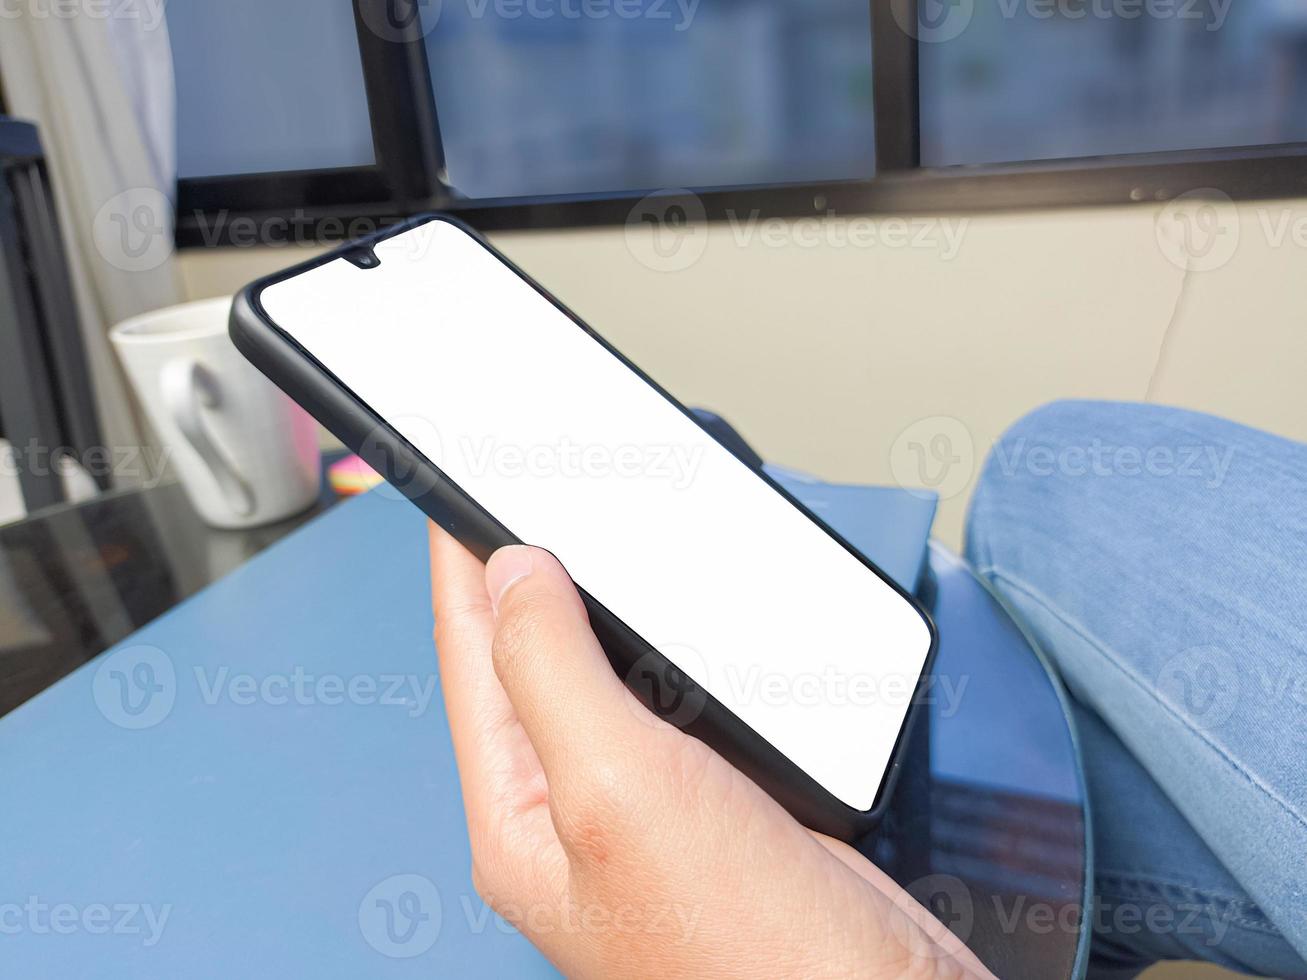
{"points": [[1014, 80], [586, 96]]}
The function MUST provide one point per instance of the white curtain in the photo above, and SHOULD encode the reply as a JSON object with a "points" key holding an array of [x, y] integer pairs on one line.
{"points": [[100, 87]]}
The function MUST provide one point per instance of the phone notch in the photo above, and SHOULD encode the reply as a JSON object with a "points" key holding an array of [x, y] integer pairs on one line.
{"points": [[363, 256]]}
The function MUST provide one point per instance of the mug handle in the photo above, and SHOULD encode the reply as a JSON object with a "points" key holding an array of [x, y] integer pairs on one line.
{"points": [[189, 386]]}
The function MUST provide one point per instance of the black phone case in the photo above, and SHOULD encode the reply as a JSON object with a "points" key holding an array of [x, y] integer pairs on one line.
{"points": [[648, 674]]}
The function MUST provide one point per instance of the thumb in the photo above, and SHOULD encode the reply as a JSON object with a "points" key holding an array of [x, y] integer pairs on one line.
{"points": [[550, 663]]}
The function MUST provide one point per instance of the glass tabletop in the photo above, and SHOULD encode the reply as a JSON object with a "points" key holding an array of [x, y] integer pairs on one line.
{"points": [[987, 827], [77, 578]]}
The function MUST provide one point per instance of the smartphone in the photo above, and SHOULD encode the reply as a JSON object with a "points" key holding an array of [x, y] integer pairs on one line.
{"points": [[726, 607]]}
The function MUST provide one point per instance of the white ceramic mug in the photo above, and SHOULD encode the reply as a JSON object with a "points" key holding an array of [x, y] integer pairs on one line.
{"points": [[246, 454]]}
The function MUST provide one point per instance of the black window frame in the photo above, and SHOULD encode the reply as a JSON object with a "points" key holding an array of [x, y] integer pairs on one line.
{"points": [[328, 205], [294, 206]]}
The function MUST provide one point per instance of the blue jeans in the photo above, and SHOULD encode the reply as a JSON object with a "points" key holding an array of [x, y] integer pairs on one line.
{"points": [[1160, 558]]}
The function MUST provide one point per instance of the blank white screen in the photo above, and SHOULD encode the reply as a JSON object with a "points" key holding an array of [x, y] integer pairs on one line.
{"points": [[573, 452]]}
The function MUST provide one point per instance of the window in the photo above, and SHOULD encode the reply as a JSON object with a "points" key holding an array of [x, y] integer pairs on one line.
{"points": [[267, 87], [529, 113], [294, 123], [650, 94], [1044, 81]]}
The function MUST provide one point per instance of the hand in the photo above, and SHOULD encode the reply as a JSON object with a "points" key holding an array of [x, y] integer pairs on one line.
{"points": [[619, 845]]}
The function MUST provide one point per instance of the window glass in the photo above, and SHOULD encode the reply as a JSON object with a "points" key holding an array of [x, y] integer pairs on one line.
{"points": [[267, 85], [1013, 80], [585, 96]]}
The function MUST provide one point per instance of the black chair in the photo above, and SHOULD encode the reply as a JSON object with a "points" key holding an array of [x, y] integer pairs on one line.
{"points": [[47, 406]]}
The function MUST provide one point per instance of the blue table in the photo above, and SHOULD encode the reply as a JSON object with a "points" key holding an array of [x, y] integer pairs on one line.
{"points": [[260, 782]]}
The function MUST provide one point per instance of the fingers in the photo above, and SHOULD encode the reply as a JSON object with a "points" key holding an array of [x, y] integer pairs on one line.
{"points": [[516, 858], [458, 590], [571, 704], [496, 762]]}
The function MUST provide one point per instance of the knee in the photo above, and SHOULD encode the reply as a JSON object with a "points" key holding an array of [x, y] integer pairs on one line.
{"points": [[1028, 484], [1081, 482]]}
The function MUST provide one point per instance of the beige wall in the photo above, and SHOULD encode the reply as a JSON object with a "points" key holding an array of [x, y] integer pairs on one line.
{"points": [[829, 354]]}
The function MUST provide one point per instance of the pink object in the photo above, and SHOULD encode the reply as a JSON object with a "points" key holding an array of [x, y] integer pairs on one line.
{"points": [[351, 476]]}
